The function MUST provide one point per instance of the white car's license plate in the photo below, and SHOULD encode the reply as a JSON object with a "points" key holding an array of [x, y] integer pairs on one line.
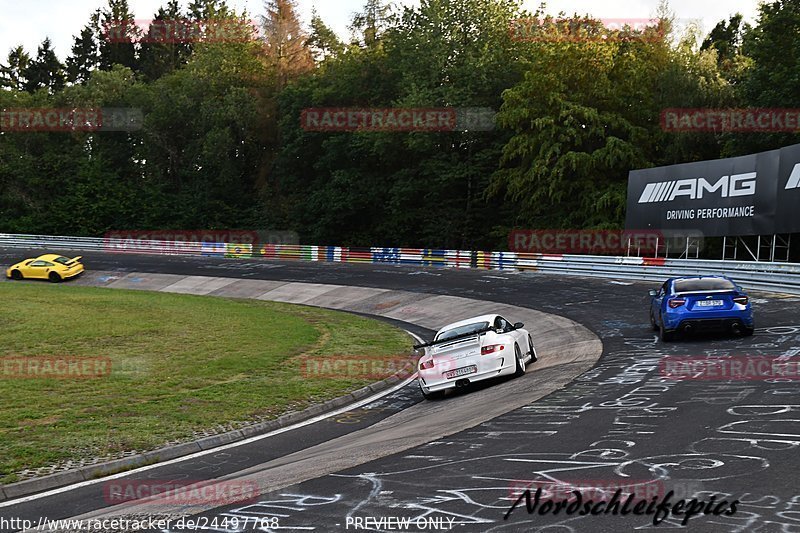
{"points": [[710, 303], [461, 372]]}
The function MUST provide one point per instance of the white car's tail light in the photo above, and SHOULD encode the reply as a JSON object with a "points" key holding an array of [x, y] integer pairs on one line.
{"points": [[486, 350], [425, 365]]}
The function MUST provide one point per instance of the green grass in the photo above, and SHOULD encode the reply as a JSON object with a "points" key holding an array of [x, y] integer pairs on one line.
{"points": [[180, 364]]}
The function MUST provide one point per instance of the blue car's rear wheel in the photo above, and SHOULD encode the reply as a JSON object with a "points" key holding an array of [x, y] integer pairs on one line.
{"points": [[653, 322], [664, 335]]}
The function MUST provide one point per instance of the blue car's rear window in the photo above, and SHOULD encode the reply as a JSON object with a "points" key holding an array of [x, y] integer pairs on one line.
{"points": [[703, 284]]}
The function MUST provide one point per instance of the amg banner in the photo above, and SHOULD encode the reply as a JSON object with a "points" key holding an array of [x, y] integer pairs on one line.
{"points": [[755, 194], [787, 216]]}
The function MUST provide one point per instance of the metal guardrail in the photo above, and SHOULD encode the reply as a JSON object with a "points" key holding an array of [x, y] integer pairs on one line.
{"points": [[776, 277]]}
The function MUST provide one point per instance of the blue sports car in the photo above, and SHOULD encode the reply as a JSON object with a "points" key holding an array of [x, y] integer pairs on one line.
{"points": [[696, 304]]}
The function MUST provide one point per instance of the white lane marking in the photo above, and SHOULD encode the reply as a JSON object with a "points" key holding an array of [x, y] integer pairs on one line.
{"points": [[257, 438]]}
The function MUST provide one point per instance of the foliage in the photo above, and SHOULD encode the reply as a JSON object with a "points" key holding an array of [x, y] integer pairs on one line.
{"points": [[222, 146]]}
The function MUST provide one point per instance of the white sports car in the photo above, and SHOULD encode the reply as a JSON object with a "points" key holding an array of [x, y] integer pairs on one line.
{"points": [[473, 350]]}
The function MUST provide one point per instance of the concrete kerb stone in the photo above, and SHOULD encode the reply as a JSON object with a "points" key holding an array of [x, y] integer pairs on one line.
{"points": [[259, 429], [39, 484], [172, 452], [113, 467], [216, 441], [361, 393]]}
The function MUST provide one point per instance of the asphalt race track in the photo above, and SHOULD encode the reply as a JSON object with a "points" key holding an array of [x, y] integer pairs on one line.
{"points": [[619, 425]]}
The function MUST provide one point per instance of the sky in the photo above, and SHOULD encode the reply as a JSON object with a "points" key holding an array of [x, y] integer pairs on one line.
{"points": [[28, 22]]}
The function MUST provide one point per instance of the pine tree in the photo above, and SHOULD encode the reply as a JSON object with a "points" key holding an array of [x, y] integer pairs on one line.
{"points": [[119, 35], [160, 53], [727, 38], [46, 71], [85, 52], [204, 10], [323, 41], [285, 41], [12, 75], [368, 26]]}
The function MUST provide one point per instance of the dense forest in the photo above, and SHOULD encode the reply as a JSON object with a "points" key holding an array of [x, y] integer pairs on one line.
{"points": [[221, 144]]}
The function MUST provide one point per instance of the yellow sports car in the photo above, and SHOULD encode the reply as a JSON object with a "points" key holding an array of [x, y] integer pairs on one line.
{"points": [[49, 266]]}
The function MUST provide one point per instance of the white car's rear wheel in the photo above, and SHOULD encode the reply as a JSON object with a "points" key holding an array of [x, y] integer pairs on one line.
{"points": [[534, 357], [520, 361], [434, 395]]}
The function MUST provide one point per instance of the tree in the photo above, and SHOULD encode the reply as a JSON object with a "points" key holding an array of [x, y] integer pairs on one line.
{"points": [[46, 71], [12, 75], [203, 10], [585, 114], [396, 188], [773, 45], [118, 35], [204, 148], [323, 41], [160, 52], [368, 25], [726, 38], [285, 41], [85, 56], [454, 53]]}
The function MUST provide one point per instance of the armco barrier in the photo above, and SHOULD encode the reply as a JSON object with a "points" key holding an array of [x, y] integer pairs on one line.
{"points": [[780, 277]]}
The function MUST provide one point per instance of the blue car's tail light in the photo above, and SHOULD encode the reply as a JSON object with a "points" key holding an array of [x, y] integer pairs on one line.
{"points": [[741, 300], [676, 303]]}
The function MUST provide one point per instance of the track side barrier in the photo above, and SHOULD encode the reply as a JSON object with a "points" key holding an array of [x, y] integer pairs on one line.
{"points": [[778, 277]]}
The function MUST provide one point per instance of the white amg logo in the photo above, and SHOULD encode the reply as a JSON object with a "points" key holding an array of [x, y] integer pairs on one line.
{"points": [[794, 179], [727, 186]]}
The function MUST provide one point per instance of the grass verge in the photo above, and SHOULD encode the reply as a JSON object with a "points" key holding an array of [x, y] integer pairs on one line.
{"points": [[180, 365]]}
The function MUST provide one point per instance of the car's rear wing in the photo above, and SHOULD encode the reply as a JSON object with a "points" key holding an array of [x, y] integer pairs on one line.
{"points": [[457, 337], [714, 291]]}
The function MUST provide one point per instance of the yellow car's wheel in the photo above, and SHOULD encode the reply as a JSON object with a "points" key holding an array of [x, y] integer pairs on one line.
{"points": [[54, 277], [17, 275]]}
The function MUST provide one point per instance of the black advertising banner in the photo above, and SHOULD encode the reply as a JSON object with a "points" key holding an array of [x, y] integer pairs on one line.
{"points": [[755, 194], [787, 218]]}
